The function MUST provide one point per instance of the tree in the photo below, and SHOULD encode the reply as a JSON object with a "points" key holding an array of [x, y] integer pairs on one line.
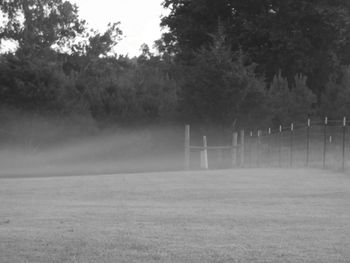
{"points": [[46, 24], [124, 90], [34, 85], [32, 79], [61, 68], [219, 89], [100, 44], [296, 36], [288, 105], [335, 102]]}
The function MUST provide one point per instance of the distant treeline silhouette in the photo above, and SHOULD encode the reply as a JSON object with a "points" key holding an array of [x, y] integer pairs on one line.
{"points": [[222, 63]]}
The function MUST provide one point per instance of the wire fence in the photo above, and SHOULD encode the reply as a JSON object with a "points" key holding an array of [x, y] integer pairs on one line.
{"points": [[313, 144]]}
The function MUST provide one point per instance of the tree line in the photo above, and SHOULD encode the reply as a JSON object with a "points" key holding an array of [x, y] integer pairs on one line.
{"points": [[220, 63]]}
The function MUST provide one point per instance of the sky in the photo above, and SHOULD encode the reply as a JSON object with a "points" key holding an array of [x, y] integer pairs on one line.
{"points": [[139, 20]]}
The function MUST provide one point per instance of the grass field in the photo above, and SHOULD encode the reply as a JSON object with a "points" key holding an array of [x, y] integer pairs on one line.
{"points": [[215, 216]]}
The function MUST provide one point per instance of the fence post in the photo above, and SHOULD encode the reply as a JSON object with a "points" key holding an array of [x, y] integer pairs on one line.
{"points": [[291, 145], [250, 149], [343, 146], [258, 150], [242, 148], [205, 154], [187, 147], [308, 141], [325, 142], [234, 149], [269, 141], [280, 146]]}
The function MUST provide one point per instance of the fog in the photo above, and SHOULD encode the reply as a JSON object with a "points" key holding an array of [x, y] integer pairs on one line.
{"points": [[54, 146], [49, 146]]}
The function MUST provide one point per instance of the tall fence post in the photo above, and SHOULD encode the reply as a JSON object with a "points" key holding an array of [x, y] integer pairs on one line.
{"points": [[325, 142], [258, 150], [308, 142], [250, 149], [343, 142], [291, 145], [242, 148], [280, 146], [187, 147], [204, 158], [234, 149], [269, 142]]}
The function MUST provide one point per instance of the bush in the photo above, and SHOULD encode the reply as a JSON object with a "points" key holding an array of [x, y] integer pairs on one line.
{"points": [[335, 101], [289, 105]]}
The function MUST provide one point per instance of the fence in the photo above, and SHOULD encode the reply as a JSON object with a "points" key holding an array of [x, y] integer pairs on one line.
{"points": [[234, 149], [318, 144]]}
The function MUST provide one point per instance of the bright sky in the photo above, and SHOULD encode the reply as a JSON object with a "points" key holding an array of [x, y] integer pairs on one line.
{"points": [[139, 20]]}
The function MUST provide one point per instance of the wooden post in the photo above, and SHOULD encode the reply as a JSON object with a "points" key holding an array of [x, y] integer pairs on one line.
{"points": [[280, 146], [187, 147], [269, 147], [291, 145], [242, 148], [250, 149], [258, 150], [325, 142], [308, 142], [205, 153], [234, 149], [343, 146]]}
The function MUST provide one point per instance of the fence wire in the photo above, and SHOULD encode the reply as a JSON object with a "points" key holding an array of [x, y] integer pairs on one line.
{"points": [[316, 144]]}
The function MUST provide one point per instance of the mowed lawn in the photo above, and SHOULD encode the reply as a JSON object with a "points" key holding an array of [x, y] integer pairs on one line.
{"points": [[215, 216]]}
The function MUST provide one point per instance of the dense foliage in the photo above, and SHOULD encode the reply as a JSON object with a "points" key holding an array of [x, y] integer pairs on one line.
{"points": [[222, 63], [296, 36]]}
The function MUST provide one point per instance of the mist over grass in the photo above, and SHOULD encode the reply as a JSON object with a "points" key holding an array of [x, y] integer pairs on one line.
{"points": [[36, 146]]}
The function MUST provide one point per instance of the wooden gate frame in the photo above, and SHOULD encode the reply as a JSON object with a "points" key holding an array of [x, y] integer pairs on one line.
{"points": [[235, 148]]}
